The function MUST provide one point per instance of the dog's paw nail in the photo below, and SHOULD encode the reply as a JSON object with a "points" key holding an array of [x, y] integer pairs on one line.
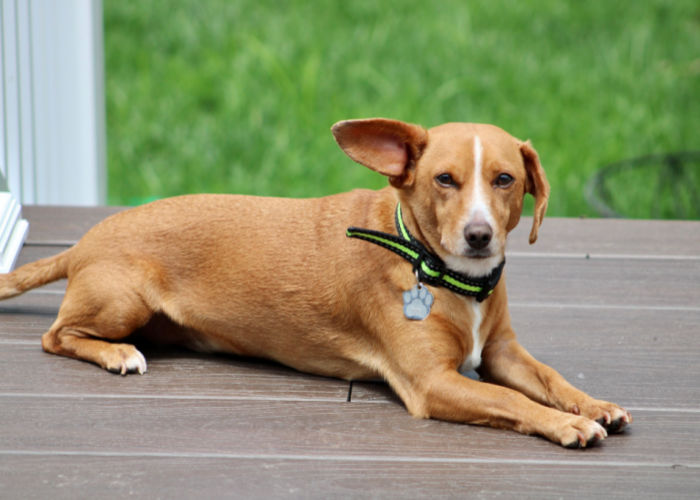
{"points": [[615, 420], [595, 439], [579, 441], [604, 420], [619, 424]]}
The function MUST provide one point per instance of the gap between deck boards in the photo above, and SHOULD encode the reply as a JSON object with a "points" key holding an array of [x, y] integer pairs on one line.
{"points": [[606, 256], [353, 458], [294, 399], [181, 397]]}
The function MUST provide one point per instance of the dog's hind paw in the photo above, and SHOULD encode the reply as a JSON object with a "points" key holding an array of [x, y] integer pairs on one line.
{"points": [[123, 359], [417, 302]]}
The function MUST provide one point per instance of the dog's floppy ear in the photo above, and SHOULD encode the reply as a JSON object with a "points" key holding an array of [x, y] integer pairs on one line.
{"points": [[536, 185], [389, 147]]}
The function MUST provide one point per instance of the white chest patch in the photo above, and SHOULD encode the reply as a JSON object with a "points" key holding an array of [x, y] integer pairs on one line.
{"points": [[473, 359]]}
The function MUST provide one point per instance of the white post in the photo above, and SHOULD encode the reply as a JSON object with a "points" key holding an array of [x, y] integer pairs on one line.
{"points": [[68, 74]]}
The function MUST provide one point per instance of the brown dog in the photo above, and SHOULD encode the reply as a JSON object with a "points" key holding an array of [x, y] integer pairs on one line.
{"points": [[280, 279]]}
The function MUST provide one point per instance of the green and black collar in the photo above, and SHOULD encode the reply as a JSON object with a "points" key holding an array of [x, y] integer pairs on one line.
{"points": [[429, 268]]}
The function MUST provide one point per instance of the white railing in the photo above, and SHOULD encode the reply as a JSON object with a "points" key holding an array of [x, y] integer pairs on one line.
{"points": [[52, 126]]}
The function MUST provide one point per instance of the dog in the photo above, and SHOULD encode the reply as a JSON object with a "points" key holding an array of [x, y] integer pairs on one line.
{"points": [[403, 283]]}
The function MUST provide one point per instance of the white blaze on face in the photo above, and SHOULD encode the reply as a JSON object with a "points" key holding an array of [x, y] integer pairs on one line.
{"points": [[479, 207]]}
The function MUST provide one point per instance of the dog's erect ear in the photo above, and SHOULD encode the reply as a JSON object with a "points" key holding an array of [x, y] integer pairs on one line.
{"points": [[389, 147], [536, 185]]}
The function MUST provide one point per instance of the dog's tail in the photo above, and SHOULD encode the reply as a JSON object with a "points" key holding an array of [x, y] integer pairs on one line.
{"points": [[34, 274]]}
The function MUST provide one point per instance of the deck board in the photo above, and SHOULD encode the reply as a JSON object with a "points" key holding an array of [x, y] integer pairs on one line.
{"points": [[605, 282], [316, 429], [613, 305], [177, 373], [62, 225], [59, 477], [609, 237]]}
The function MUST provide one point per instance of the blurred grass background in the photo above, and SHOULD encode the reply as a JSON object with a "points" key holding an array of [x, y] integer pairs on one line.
{"points": [[239, 95]]}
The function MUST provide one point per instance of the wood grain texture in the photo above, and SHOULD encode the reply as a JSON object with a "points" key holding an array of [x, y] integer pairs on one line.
{"points": [[171, 373], [39, 302], [604, 282], [251, 427], [607, 237], [62, 225], [32, 252], [70, 477]]}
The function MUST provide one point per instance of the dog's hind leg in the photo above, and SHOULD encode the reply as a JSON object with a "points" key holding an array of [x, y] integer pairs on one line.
{"points": [[93, 316]]}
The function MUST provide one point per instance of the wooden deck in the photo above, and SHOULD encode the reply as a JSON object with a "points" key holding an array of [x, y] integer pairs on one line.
{"points": [[613, 305]]}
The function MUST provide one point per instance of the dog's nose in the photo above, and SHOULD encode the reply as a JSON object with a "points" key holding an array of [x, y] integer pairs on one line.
{"points": [[478, 235]]}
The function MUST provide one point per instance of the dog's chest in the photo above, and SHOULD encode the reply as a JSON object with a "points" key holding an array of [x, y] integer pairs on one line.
{"points": [[473, 358]]}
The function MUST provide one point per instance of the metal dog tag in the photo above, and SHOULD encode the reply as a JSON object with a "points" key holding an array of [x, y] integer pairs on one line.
{"points": [[417, 302]]}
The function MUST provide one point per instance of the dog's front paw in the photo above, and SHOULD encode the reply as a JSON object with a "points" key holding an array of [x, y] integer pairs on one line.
{"points": [[580, 432], [123, 359], [417, 302], [609, 415]]}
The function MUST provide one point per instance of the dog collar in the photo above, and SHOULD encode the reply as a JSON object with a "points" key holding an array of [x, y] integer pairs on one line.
{"points": [[429, 268]]}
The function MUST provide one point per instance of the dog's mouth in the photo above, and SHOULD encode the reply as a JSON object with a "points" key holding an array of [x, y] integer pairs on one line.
{"points": [[478, 254], [474, 263]]}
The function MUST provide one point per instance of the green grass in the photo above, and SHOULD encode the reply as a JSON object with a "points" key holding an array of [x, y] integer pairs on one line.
{"points": [[239, 95]]}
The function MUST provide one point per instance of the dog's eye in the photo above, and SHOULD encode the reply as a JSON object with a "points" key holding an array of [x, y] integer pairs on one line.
{"points": [[504, 181], [445, 180]]}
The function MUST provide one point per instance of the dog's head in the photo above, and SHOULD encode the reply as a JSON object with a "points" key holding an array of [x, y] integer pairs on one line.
{"points": [[462, 183]]}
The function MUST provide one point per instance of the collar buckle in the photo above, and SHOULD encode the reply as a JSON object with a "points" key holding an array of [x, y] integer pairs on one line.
{"points": [[429, 267]]}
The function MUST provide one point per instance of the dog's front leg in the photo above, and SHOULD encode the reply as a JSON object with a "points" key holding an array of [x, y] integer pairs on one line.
{"points": [[507, 363], [447, 395]]}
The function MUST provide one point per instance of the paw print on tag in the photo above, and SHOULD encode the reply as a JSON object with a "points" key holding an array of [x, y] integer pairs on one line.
{"points": [[417, 302]]}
